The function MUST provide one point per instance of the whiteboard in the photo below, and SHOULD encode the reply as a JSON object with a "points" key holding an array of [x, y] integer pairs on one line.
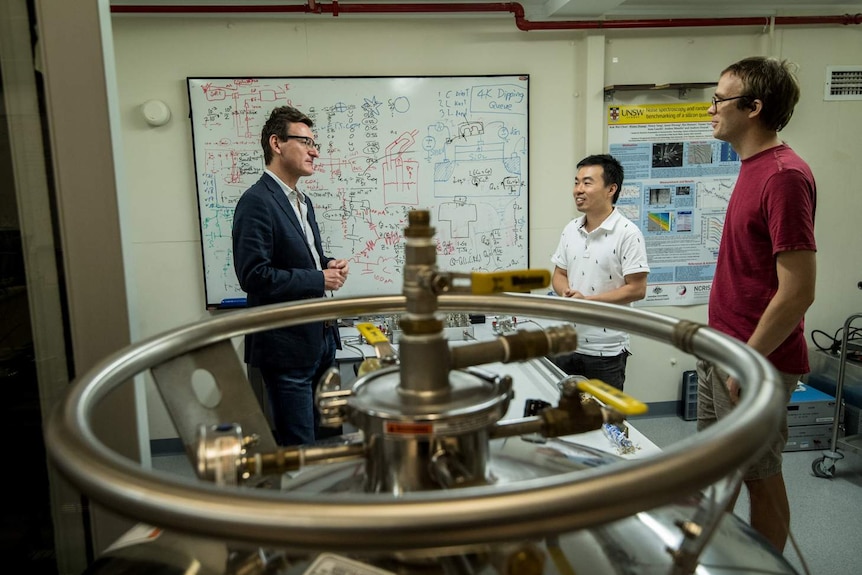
{"points": [[454, 145]]}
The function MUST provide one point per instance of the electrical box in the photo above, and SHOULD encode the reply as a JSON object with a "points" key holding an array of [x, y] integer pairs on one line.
{"points": [[809, 406], [808, 437], [810, 416]]}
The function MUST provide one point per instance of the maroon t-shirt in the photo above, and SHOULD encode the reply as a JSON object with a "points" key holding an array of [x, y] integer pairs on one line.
{"points": [[770, 211]]}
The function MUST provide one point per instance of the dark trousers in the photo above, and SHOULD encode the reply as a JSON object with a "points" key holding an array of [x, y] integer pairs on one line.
{"points": [[291, 397], [609, 369]]}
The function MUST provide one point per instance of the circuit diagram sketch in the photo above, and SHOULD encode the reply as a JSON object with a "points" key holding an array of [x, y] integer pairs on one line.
{"points": [[455, 145]]}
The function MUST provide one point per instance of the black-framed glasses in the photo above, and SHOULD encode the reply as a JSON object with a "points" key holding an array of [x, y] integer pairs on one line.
{"points": [[308, 142], [717, 101]]}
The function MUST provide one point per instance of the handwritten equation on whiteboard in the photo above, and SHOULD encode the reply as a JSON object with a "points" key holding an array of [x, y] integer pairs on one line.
{"points": [[455, 145]]}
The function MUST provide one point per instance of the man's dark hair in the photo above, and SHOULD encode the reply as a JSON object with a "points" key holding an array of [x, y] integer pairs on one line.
{"points": [[771, 81], [278, 124], [613, 170]]}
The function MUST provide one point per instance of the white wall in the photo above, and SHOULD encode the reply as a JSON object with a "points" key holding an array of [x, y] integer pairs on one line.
{"points": [[567, 70]]}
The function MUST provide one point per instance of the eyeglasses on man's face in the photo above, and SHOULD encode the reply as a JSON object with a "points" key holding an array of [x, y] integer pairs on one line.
{"points": [[717, 101], [305, 140]]}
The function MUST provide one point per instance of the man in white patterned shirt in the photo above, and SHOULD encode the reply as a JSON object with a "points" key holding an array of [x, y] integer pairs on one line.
{"points": [[602, 257]]}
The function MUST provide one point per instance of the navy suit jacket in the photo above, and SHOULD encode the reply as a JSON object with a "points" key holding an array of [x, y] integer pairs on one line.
{"points": [[274, 264]]}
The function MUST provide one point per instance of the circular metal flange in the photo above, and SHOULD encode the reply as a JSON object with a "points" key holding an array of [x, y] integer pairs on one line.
{"points": [[417, 520], [471, 405]]}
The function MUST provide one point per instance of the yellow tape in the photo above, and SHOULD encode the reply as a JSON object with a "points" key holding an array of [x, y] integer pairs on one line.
{"points": [[518, 280]]}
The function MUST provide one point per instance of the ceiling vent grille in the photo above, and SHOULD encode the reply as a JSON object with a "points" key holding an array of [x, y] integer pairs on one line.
{"points": [[843, 83]]}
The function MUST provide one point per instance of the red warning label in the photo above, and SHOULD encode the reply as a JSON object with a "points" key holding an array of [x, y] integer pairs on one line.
{"points": [[407, 428]]}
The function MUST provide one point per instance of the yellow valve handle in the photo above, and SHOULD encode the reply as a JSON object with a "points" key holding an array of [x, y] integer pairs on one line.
{"points": [[518, 280], [613, 397], [371, 334], [382, 347]]}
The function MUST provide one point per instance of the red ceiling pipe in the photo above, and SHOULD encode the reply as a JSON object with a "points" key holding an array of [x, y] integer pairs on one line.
{"points": [[845, 20], [514, 8]]}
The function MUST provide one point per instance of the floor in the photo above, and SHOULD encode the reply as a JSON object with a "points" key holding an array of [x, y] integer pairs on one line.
{"points": [[826, 521], [826, 514]]}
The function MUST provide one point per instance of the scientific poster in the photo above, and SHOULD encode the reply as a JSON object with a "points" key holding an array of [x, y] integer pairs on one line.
{"points": [[678, 180]]}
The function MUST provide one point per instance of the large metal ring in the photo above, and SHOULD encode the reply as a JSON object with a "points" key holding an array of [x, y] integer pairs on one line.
{"points": [[372, 522]]}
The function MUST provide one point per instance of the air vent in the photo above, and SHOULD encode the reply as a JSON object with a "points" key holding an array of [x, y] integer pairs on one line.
{"points": [[843, 83]]}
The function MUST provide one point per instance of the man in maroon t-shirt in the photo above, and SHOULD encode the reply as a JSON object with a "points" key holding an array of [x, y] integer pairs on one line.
{"points": [[764, 278]]}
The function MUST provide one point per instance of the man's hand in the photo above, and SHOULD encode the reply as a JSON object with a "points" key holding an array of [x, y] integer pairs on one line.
{"points": [[732, 389], [335, 275], [338, 265], [574, 294]]}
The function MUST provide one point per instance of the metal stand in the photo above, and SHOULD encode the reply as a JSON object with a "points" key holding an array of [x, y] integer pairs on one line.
{"points": [[824, 466]]}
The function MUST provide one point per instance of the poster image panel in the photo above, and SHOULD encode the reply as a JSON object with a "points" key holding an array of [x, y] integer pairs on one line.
{"points": [[678, 180]]}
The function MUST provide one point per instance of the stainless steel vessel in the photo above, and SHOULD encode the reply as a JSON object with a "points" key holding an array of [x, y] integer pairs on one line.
{"points": [[434, 481]]}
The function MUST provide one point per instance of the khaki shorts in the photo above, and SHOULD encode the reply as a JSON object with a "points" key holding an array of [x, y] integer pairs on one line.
{"points": [[713, 403]]}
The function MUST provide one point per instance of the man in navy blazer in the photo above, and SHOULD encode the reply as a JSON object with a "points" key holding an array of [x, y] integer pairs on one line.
{"points": [[278, 257]]}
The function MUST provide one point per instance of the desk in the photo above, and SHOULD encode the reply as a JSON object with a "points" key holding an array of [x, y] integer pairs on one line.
{"points": [[534, 379]]}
